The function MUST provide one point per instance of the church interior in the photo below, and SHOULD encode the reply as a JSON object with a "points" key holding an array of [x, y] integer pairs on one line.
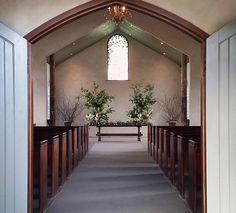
{"points": [[78, 55], [117, 106]]}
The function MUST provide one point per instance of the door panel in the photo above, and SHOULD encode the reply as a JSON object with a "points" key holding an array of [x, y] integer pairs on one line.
{"points": [[13, 122], [221, 118]]}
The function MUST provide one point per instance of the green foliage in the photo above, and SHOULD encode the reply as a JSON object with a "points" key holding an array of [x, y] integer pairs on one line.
{"points": [[97, 102], [143, 100]]}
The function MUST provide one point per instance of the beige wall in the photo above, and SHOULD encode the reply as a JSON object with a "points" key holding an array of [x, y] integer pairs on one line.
{"points": [[25, 15], [47, 46], [187, 45], [145, 66], [74, 30], [39, 77]]}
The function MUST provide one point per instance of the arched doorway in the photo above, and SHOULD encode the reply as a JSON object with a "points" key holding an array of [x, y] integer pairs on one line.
{"points": [[149, 10]]}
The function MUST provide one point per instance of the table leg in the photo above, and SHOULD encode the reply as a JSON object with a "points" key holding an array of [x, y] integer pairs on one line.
{"points": [[139, 133], [99, 133]]}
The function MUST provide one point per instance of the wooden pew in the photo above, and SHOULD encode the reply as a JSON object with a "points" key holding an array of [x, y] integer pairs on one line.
{"points": [[87, 137], [69, 152], [194, 174], [153, 143], [183, 161], [148, 136], [161, 146], [62, 157], [59, 130], [178, 153], [77, 143], [56, 156], [40, 172], [173, 157], [156, 134], [84, 140], [156, 147], [49, 132], [75, 148], [70, 145], [187, 131], [80, 145], [52, 157], [166, 150], [182, 147], [54, 165]]}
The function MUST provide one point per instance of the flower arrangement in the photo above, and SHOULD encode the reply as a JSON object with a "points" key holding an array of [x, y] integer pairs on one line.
{"points": [[171, 108], [97, 102], [69, 109], [143, 100]]}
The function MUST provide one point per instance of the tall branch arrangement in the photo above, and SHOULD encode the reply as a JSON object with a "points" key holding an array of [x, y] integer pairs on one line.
{"points": [[97, 102], [171, 107], [69, 109], [143, 100]]}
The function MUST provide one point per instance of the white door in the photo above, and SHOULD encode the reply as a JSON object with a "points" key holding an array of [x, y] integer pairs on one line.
{"points": [[221, 120], [13, 122]]}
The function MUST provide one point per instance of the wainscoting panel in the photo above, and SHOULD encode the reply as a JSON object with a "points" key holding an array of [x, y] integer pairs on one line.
{"points": [[221, 120]]}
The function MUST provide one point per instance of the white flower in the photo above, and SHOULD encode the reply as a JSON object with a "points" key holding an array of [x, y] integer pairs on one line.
{"points": [[89, 117]]}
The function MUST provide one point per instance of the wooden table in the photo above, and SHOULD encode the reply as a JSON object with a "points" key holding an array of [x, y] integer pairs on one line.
{"points": [[100, 134]]}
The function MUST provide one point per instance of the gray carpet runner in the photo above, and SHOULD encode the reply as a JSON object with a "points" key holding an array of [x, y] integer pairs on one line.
{"points": [[117, 177]]}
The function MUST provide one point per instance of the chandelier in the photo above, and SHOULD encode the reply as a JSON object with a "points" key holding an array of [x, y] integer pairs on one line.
{"points": [[117, 13]]}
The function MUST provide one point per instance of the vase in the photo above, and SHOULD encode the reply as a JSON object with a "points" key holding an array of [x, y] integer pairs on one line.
{"points": [[67, 123], [172, 123]]}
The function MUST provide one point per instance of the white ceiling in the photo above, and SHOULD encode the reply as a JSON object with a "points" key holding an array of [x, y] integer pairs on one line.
{"points": [[25, 15]]}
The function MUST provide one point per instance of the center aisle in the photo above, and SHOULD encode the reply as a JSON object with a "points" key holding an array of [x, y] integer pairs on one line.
{"points": [[118, 177]]}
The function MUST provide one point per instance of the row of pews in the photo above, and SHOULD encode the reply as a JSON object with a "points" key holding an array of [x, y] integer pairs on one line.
{"points": [[57, 151], [177, 151]]}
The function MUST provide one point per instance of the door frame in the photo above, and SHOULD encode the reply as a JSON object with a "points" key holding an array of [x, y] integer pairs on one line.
{"points": [[147, 9]]}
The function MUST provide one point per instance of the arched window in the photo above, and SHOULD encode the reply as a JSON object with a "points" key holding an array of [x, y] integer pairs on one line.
{"points": [[117, 58]]}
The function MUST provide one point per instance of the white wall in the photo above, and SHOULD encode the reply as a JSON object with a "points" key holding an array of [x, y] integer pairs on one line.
{"points": [[145, 66]]}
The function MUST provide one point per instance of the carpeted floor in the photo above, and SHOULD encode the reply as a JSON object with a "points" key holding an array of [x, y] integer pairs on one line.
{"points": [[117, 177]]}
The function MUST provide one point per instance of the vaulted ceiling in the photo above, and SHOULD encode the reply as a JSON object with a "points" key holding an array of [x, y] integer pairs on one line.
{"points": [[25, 15], [126, 28]]}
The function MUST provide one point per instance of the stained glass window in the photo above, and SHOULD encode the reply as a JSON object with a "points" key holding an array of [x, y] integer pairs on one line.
{"points": [[117, 58]]}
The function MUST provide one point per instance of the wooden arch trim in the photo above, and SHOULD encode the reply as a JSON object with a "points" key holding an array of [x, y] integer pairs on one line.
{"points": [[137, 5]]}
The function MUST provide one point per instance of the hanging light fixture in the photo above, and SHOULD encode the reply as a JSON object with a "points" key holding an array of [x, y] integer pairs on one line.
{"points": [[117, 13]]}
